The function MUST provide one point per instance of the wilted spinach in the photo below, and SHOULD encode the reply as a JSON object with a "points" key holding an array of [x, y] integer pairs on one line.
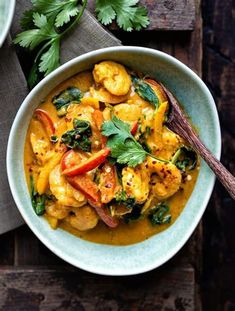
{"points": [[185, 158], [38, 201], [145, 91], [159, 215], [78, 138], [65, 98]]}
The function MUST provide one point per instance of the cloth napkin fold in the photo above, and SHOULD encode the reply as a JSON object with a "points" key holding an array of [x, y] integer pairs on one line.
{"points": [[89, 35]]}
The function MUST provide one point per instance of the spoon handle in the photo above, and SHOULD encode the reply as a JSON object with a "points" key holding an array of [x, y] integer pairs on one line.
{"points": [[225, 177]]}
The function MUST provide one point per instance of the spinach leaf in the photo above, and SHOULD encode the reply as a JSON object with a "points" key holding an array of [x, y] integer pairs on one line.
{"points": [[159, 216], [38, 201], [65, 98], [122, 198], [145, 91], [134, 215], [185, 158], [78, 138]]}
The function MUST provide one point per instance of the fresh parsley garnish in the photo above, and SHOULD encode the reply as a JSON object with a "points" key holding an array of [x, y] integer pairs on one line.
{"points": [[78, 138], [65, 98], [129, 15], [44, 26], [160, 215], [185, 158], [145, 91], [124, 147]]}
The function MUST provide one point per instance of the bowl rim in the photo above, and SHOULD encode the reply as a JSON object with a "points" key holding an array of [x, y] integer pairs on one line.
{"points": [[6, 27], [10, 168]]}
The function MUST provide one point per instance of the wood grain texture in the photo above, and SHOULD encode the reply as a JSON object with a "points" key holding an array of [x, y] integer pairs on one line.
{"points": [[175, 286], [61, 289], [218, 222], [166, 14]]}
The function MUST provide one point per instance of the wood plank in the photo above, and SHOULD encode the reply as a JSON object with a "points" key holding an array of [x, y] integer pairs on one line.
{"points": [[7, 248], [166, 14], [50, 289], [30, 251], [218, 222]]}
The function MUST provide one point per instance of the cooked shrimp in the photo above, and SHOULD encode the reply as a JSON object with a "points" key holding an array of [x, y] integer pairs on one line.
{"points": [[58, 211], [113, 77], [165, 178], [84, 218], [127, 112], [63, 191], [170, 143], [136, 182], [106, 97]]}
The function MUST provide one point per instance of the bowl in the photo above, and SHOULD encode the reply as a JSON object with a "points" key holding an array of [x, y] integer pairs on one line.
{"points": [[153, 252], [6, 15]]}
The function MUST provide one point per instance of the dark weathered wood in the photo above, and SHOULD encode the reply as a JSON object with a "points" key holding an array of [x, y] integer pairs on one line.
{"points": [[30, 251], [7, 248], [166, 14], [60, 289], [218, 222]]}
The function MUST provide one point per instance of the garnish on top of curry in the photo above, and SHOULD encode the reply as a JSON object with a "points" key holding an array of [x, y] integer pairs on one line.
{"points": [[101, 163]]}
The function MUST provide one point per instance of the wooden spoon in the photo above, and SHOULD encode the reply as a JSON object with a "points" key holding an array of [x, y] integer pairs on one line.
{"points": [[179, 124]]}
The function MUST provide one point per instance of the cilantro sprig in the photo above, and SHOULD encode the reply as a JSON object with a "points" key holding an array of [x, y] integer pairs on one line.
{"points": [[50, 20], [44, 26], [124, 147], [129, 15]]}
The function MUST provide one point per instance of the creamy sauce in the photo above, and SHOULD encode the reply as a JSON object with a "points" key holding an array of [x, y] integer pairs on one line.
{"points": [[124, 234]]}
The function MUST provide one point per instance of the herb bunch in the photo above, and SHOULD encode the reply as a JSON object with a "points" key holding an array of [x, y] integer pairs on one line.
{"points": [[49, 21], [44, 26]]}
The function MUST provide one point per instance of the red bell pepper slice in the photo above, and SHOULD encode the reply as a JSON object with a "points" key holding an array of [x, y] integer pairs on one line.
{"points": [[90, 190], [45, 119], [70, 160], [98, 118], [87, 165], [84, 184], [108, 184], [134, 128]]}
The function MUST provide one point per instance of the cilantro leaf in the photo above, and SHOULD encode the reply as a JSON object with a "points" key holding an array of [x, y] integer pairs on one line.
{"points": [[33, 37], [129, 15], [123, 145], [69, 10], [51, 59]]}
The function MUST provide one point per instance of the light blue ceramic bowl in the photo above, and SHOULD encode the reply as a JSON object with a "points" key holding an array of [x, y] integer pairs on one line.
{"points": [[121, 260], [6, 15]]}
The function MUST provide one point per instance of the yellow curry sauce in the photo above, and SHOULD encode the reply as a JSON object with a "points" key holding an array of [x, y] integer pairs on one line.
{"points": [[109, 90]]}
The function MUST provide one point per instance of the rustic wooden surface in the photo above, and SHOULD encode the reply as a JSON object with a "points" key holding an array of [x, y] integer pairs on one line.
{"points": [[218, 286], [32, 278], [67, 289], [166, 14]]}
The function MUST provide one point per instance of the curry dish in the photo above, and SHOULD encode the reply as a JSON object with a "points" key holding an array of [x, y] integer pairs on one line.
{"points": [[100, 161]]}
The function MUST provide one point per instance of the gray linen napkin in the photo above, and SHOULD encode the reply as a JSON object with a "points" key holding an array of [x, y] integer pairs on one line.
{"points": [[87, 36]]}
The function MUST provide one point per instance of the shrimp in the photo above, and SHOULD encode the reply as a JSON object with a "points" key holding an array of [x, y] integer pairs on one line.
{"points": [[136, 182], [128, 113], [84, 218], [58, 211], [165, 178], [63, 191], [113, 77], [106, 97], [171, 142]]}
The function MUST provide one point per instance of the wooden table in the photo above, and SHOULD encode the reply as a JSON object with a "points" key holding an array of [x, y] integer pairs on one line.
{"points": [[32, 278]]}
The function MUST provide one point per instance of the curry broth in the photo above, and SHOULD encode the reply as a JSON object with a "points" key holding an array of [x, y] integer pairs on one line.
{"points": [[124, 234]]}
